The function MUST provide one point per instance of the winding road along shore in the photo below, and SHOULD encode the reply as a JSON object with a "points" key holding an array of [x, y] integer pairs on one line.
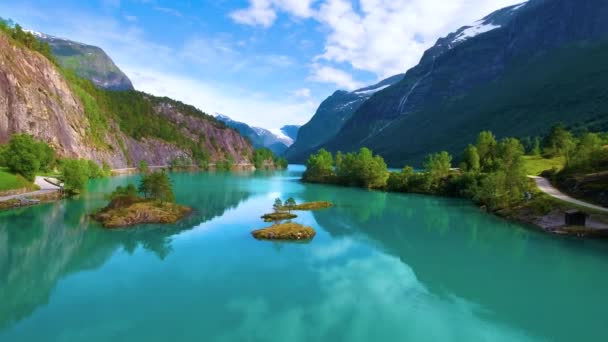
{"points": [[545, 186]]}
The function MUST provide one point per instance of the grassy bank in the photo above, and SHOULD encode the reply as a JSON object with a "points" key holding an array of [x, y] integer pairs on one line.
{"points": [[535, 165], [9, 181]]}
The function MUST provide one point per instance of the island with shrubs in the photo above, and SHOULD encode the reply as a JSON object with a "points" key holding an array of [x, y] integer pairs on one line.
{"points": [[288, 231], [152, 202]]}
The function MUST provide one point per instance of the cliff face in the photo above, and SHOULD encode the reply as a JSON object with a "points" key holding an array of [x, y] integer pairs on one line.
{"points": [[36, 99]]}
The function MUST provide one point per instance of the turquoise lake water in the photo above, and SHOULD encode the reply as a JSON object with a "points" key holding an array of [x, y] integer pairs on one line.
{"points": [[383, 267]]}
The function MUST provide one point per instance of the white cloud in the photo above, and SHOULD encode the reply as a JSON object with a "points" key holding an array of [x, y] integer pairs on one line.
{"points": [[259, 12], [168, 10], [264, 12], [240, 104], [302, 92], [385, 37], [326, 74]]}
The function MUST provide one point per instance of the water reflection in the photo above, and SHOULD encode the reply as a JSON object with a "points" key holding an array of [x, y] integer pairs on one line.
{"points": [[42, 244], [514, 274]]}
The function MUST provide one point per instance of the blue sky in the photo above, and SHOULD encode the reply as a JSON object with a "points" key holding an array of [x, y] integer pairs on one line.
{"points": [[264, 62]]}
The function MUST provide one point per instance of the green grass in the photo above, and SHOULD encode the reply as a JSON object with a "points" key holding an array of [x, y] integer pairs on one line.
{"points": [[9, 181], [536, 165]]}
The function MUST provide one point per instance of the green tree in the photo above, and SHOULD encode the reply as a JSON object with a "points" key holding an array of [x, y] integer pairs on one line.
{"points": [[225, 164], [362, 169], [281, 163], [261, 157], [26, 156], [437, 167], [470, 160], [94, 171], [536, 149], [559, 143], [278, 205], [290, 204], [75, 174], [319, 167], [157, 186], [506, 185], [588, 151], [142, 167], [107, 170], [400, 181], [486, 148]]}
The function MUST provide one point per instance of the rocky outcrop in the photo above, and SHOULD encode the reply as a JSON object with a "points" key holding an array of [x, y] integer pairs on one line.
{"points": [[36, 99]]}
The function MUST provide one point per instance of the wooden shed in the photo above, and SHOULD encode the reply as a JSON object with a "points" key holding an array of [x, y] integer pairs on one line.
{"points": [[576, 217]]}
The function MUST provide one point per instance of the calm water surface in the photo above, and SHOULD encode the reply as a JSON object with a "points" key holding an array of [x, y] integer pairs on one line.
{"points": [[383, 267]]}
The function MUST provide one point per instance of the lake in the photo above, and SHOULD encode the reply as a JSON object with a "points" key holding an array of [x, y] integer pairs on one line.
{"points": [[383, 267]]}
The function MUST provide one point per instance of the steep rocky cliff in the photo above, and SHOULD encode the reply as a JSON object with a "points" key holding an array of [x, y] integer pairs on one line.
{"points": [[36, 98]]}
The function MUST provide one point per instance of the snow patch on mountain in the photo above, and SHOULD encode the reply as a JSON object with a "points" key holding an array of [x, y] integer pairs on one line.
{"points": [[281, 136], [519, 6], [472, 31], [370, 92]]}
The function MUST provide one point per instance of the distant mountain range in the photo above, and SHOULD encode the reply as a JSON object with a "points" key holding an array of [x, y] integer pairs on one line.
{"points": [[87, 61], [331, 116], [516, 72], [276, 140]]}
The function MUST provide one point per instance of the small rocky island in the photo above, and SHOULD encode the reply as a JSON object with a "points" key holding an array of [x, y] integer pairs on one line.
{"points": [[285, 231], [128, 208], [288, 231]]}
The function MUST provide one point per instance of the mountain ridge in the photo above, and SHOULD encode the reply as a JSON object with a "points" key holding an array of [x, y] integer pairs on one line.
{"points": [[437, 98], [331, 116]]}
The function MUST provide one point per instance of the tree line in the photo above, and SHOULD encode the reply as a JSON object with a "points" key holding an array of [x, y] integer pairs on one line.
{"points": [[491, 172], [28, 157], [27, 39]]}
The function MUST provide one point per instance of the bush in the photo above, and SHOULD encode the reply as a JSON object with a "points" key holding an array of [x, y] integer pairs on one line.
{"points": [[26, 156], [94, 171], [225, 165], [142, 167], [75, 174]]}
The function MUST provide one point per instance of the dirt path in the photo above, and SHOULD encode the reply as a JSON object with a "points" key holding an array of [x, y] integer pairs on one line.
{"points": [[545, 186], [45, 188]]}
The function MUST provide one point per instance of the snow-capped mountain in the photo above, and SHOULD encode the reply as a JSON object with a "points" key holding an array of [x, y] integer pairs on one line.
{"points": [[331, 116], [275, 139], [515, 72]]}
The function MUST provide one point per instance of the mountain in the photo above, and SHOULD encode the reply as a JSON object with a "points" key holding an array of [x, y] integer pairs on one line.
{"points": [[81, 120], [277, 141], [291, 131], [330, 118], [87, 61], [516, 72]]}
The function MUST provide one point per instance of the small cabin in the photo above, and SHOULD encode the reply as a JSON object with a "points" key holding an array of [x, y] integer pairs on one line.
{"points": [[576, 218]]}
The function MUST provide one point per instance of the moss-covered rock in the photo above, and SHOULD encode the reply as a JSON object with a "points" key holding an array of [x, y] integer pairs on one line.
{"points": [[285, 231], [313, 205], [278, 216], [130, 213]]}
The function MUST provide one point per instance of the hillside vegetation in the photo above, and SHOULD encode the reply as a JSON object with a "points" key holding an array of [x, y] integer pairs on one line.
{"points": [[122, 128]]}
